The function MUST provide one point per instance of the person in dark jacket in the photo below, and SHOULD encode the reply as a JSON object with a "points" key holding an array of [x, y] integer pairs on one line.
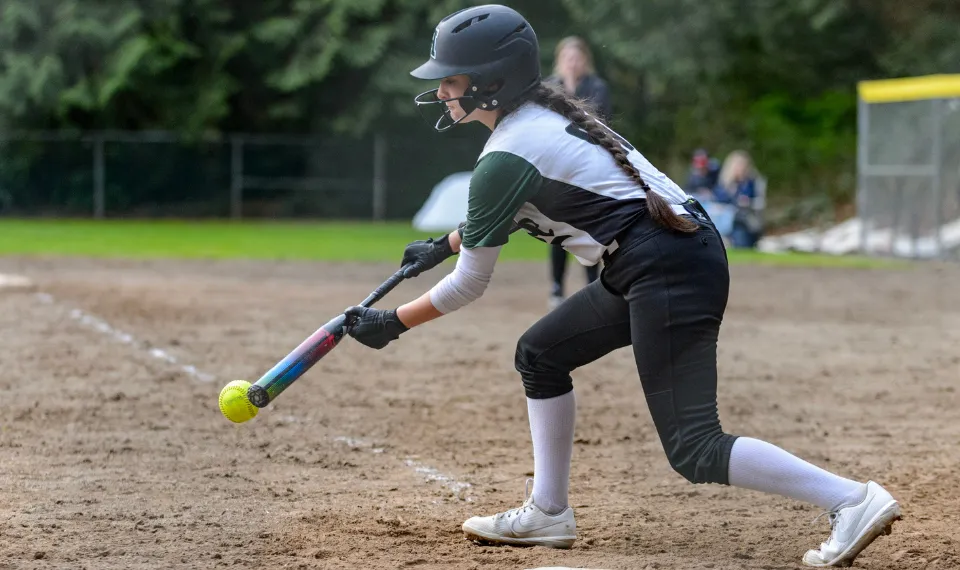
{"points": [[704, 175], [573, 70]]}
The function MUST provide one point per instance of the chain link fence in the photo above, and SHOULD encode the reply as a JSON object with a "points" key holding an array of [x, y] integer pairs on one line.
{"points": [[159, 174], [908, 196]]}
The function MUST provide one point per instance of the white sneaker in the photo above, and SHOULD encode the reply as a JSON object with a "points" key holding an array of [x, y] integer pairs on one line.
{"points": [[854, 527], [554, 301], [526, 525]]}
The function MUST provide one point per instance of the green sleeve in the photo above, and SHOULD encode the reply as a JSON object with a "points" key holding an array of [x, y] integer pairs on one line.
{"points": [[500, 184]]}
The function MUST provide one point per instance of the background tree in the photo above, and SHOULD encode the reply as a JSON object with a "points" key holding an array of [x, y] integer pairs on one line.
{"points": [[776, 78]]}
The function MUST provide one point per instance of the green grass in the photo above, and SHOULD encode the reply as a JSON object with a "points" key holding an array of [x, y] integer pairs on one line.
{"points": [[326, 241]]}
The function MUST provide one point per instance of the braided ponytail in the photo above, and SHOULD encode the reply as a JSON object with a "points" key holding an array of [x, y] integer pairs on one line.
{"points": [[576, 111]]}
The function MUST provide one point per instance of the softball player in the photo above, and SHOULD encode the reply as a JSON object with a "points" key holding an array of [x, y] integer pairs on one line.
{"points": [[556, 172]]}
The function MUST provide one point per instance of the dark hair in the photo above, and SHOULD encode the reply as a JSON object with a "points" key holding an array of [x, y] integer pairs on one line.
{"points": [[577, 111]]}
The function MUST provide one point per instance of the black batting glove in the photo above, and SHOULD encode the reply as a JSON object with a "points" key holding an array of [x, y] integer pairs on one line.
{"points": [[375, 328], [423, 255]]}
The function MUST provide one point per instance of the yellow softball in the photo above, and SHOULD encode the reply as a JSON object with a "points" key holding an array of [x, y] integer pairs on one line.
{"points": [[234, 404]]}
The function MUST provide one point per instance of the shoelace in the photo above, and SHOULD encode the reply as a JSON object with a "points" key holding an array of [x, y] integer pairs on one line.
{"points": [[527, 502], [833, 517]]}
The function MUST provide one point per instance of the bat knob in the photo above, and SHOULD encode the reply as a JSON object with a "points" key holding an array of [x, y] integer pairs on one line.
{"points": [[258, 396]]}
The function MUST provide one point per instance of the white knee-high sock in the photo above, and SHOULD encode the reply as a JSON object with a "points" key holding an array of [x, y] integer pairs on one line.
{"points": [[551, 427], [760, 466]]}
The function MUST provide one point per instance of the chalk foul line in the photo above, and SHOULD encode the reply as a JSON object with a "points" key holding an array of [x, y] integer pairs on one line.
{"points": [[460, 489], [430, 474], [121, 337]]}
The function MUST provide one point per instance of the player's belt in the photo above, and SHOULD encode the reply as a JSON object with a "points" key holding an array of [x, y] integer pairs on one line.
{"points": [[690, 208]]}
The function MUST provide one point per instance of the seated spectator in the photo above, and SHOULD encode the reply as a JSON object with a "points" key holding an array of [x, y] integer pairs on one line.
{"points": [[703, 177], [741, 186]]}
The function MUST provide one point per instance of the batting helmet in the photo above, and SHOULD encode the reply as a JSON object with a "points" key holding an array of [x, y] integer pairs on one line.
{"points": [[494, 46]]}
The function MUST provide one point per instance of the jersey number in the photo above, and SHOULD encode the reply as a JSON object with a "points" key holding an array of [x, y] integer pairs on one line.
{"points": [[581, 134], [534, 230], [531, 226]]}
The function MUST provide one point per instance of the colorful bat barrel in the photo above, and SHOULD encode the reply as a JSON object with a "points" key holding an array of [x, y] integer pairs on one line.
{"points": [[315, 347], [295, 364]]}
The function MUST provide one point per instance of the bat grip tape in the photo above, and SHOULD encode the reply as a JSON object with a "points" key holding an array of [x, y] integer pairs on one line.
{"points": [[385, 287]]}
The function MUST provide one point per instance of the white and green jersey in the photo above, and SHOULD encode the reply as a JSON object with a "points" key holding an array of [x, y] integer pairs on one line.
{"points": [[543, 173]]}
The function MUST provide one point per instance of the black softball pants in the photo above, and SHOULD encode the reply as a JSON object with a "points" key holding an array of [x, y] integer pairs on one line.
{"points": [[664, 293]]}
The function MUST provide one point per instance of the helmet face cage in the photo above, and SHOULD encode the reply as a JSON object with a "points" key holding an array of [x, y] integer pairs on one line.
{"points": [[445, 121], [469, 103]]}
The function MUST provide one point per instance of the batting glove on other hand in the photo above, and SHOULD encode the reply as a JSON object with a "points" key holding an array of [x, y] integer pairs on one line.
{"points": [[425, 254], [375, 328]]}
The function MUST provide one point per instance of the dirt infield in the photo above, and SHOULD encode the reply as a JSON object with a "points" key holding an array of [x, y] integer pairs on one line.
{"points": [[113, 455]]}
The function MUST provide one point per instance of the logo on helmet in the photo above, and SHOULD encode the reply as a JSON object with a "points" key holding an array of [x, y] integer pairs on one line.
{"points": [[433, 44]]}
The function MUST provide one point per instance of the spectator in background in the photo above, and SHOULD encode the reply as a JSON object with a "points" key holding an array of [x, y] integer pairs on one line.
{"points": [[704, 175], [740, 185], [573, 71]]}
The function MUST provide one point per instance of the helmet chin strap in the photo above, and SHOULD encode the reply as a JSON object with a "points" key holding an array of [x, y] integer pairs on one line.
{"points": [[445, 122]]}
